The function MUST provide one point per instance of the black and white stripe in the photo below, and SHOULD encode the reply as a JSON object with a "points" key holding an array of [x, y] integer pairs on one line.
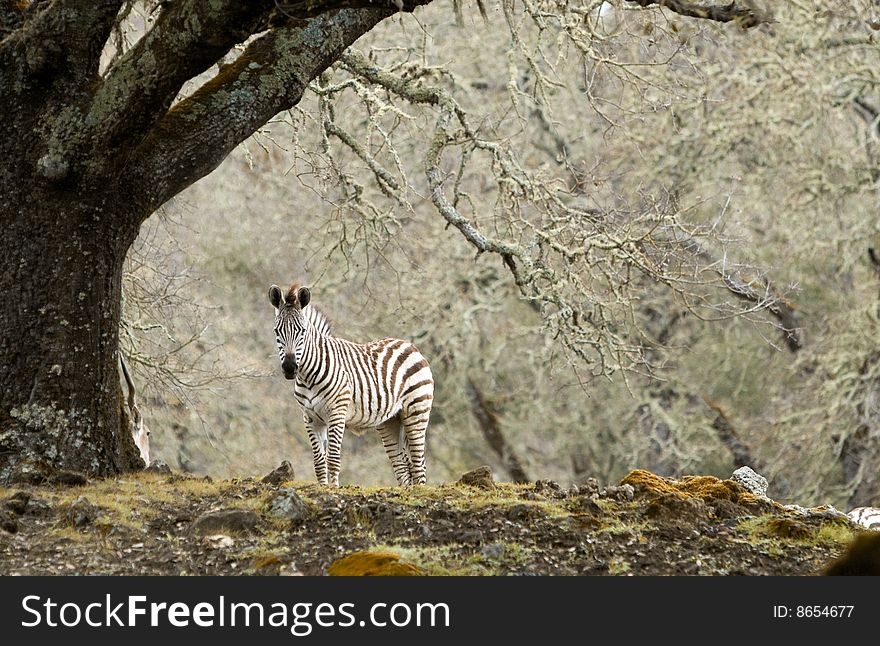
{"points": [[386, 385], [868, 517]]}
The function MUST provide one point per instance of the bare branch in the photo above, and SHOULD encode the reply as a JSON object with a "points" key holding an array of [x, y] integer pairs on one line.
{"points": [[449, 111], [755, 289]]}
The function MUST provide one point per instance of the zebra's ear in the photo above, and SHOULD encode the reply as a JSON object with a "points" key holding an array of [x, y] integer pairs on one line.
{"points": [[275, 296], [303, 296]]}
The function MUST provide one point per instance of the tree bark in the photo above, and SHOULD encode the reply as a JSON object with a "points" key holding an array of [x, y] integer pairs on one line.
{"points": [[61, 403]]}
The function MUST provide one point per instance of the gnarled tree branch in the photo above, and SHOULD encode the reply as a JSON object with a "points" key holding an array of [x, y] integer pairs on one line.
{"points": [[742, 12], [188, 37], [11, 15], [449, 112], [62, 38], [268, 77]]}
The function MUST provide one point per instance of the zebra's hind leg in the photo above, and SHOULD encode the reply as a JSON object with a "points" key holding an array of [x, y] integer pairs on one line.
{"points": [[391, 434], [415, 424]]}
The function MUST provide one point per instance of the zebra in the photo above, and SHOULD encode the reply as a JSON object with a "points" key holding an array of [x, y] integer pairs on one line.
{"points": [[868, 517], [385, 384]]}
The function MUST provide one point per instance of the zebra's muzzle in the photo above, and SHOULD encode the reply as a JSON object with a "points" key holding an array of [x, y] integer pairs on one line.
{"points": [[288, 365]]}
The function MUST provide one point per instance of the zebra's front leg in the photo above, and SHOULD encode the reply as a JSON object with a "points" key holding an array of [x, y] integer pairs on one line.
{"points": [[390, 432], [335, 430], [318, 440]]}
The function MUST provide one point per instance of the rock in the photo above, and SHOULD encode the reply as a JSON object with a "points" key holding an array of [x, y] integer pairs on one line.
{"points": [[623, 493], [288, 505], [68, 479], [588, 487], [36, 473], [574, 491], [218, 541], [28, 474], [823, 511], [862, 557], [788, 528], [584, 521], [549, 488], [158, 467], [493, 551], [226, 521], [583, 505], [80, 513], [727, 509], [289, 570], [723, 494], [481, 477], [279, 475], [17, 502], [753, 482], [798, 510], [674, 509], [827, 511], [373, 564], [8, 521], [267, 563]]}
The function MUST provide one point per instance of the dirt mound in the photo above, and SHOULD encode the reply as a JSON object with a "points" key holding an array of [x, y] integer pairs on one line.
{"points": [[144, 524]]}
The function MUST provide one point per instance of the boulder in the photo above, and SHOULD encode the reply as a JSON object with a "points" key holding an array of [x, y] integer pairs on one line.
{"points": [[283, 473], [288, 505], [751, 481], [481, 477], [226, 521]]}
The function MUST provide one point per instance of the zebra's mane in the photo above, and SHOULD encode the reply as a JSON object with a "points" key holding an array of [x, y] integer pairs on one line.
{"points": [[317, 320]]}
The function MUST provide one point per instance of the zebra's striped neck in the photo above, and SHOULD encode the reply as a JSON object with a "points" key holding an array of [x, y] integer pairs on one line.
{"points": [[310, 366], [317, 321]]}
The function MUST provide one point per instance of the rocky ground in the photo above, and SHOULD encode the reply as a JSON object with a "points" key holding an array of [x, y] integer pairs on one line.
{"points": [[164, 523]]}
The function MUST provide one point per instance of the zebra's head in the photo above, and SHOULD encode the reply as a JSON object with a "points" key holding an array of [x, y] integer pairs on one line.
{"points": [[290, 325]]}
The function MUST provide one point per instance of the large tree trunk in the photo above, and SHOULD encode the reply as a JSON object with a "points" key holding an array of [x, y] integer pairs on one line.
{"points": [[60, 407]]}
